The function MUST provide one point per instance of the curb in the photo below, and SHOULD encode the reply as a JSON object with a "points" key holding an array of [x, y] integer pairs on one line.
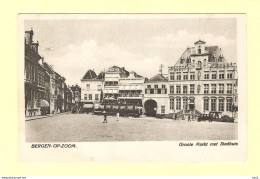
{"points": [[42, 117]]}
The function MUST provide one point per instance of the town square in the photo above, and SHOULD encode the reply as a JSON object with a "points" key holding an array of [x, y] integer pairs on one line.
{"points": [[96, 89], [89, 128]]}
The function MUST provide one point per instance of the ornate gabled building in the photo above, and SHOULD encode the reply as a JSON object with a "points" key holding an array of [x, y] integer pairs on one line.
{"points": [[131, 89], [91, 89], [111, 83], [202, 81]]}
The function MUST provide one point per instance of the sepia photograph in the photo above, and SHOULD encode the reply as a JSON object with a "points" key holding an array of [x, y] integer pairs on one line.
{"points": [[127, 80], [122, 78]]}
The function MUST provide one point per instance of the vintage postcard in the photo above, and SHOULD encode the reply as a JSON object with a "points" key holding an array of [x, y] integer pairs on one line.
{"points": [[132, 87]]}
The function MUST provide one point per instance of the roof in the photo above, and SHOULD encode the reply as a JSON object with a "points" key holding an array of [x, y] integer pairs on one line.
{"points": [[101, 76], [200, 42], [89, 75], [121, 70], [211, 51], [157, 78], [48, 68], [137, 76]]}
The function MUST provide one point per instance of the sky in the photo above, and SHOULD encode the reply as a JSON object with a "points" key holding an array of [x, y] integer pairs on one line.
{"points": [[140, 45]]}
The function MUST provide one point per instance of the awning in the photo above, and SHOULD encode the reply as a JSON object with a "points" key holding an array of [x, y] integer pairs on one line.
{"points": [[43, 103], [88, 106]]}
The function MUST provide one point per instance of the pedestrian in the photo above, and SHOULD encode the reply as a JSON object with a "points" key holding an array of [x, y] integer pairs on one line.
{"points": [[189, 118], [117, 116], [105, 117], [175, 116]]}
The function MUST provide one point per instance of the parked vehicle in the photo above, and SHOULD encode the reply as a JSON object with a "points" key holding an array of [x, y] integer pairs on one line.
{"points": [[212, 116], [205, 117], [226, 118], [215, 116]]}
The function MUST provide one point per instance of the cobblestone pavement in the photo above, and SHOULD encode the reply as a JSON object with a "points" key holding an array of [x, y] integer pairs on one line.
{"points": [[88, 127]]}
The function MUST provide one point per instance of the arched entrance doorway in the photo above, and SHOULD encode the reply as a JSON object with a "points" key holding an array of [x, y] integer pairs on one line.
{"points": [[150, 107]]}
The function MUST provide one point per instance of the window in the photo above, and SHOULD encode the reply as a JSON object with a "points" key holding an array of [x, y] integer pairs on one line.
{"points": [[148, 86], [229, 75], [192, 76], [185, 103], [221, 89], [206, 104], [171, 103], [172, 76], [178, 76], [99, 87], [192, 88], [162, 109], [206, 75], [229, 88], [221, 75], [185, 76], [204, 62], [90, 97], [213, 104], [178, 89], [192, 100], [88, 86], [85, 96], [155, 86], [214, 75], [206, 88], [185, 89], [213, 88], [96, 96], [155, 89], [199, 64], [229, 104], [163, 90], [178, 104], [221, 104], [171, 89]]}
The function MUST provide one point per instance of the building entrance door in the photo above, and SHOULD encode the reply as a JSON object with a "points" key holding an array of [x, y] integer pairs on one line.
{"points": [[192, 106], [150, 107]]}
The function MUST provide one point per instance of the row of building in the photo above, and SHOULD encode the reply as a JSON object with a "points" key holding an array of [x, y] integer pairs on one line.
{"points": [[45, 89], [201, 81]]}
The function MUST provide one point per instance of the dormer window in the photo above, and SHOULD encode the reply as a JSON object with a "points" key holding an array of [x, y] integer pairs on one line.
{"points": [[182, 60], [204, 62], [199, 50]]}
